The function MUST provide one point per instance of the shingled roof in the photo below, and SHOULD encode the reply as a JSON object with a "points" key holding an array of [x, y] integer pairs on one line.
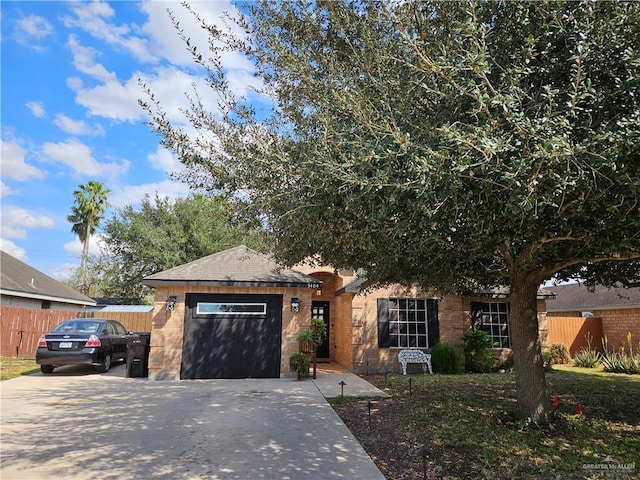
{"points": [[20, 280], [239, 266], [577, 297]]}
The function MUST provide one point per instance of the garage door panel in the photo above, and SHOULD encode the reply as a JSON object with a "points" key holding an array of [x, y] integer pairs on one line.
{"points": [[232, 345]]}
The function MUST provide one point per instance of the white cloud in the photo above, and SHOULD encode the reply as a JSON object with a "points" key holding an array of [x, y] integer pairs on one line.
{"points": [[16, 221], [64, 271], [114, 100], [78, 157], [32, 29], [5, 190], [74, 247], [13, 165], [77, 127], [37, 109], [97, 19], [13, 250], [84, 61], [133, 194], [164, 160]]}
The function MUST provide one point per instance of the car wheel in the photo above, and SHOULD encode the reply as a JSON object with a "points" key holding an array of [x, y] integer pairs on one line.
{"points": [[46, 368], [106, 364]]}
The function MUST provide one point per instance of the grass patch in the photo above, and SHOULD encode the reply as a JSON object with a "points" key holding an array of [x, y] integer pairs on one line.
{"points": [[461, 421], [14, 367]]}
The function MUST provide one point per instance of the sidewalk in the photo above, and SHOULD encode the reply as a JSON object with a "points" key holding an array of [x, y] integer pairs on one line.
{"points": [[328, 378]]}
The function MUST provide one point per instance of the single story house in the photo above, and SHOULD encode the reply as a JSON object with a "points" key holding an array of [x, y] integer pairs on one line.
{"points": [[237, 313], [24, 286], [617, 308]]}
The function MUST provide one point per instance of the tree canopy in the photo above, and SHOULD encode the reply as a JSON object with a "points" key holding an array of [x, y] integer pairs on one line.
{"points": [[459, 145], [165, 233]]}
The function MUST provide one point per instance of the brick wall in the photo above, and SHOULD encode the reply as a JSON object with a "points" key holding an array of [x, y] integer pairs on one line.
{"points": [[167, 331]]}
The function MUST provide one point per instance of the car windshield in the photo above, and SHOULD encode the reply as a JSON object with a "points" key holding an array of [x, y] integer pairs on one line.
{"points": [[77, 326]]}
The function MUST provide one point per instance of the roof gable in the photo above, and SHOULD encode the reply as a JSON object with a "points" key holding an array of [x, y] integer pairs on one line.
{"points": [[20, 280], [235, 266]]}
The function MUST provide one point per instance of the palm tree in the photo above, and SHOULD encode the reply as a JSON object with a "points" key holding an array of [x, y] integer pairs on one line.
{"points": [[86, 214]]}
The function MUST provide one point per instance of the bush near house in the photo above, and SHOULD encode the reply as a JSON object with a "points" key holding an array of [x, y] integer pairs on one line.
{"points": [[478, 356], [560, 354], [445, 359]]}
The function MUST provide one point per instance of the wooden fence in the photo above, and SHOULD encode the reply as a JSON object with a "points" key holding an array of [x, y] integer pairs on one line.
{"points": [[575, 332], [21, 328]]}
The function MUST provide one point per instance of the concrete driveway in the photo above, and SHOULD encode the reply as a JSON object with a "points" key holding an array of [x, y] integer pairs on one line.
{"points": [[76, 424]]}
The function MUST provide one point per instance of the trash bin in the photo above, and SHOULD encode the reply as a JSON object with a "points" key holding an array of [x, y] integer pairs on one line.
{"points": [[138, 347]]}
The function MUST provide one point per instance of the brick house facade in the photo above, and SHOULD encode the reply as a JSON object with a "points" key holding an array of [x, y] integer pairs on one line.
{"points": [[366, 327]]}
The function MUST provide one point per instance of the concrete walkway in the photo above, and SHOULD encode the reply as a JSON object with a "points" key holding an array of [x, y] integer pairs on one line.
{"points": [[75, 424]]}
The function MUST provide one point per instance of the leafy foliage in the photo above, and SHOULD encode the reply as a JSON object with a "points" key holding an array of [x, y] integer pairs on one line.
{"points": [[621, 361], [587, 358], [478, 356], [163, 234], [560, 353], [457, 145], [445, 359]]}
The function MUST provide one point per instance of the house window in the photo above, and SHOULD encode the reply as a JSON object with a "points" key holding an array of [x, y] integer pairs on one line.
{"points": [[231, 308], [493, 318], [407, 322]]}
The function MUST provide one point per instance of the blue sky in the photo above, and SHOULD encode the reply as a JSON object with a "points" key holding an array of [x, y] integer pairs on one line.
{"points": [[70, 112]]}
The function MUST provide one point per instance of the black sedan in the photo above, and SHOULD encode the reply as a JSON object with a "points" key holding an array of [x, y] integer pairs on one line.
{"points": [[94, 341]]}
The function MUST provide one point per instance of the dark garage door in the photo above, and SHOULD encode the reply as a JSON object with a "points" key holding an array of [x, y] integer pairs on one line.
{"points": [[232, 336]]}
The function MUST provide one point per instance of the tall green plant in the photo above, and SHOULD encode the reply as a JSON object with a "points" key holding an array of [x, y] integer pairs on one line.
{"points": [[478, 356], [86, 214]]}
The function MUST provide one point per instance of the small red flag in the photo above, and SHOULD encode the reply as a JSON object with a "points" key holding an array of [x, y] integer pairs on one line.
{"points": [[579, 409], [555, 402]]}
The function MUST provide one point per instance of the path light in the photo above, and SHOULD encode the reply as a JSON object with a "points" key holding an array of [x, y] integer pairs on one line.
{"points": [[422, 452], [385, 376], [342, 384], [410, 383], [369, 404]]}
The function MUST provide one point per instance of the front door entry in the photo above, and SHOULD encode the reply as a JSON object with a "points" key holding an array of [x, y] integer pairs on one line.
{"points": [[321, 310]]}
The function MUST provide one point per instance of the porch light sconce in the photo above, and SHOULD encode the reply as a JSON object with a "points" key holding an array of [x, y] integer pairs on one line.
{"points": [[295, 304], [319, 292], [171, 303]]}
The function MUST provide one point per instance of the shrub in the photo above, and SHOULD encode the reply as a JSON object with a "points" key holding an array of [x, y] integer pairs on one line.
{"points": [[445, 359], [547, 360], [586, 358], [478, 356], [299, 363], [560, 353], [621, 361]]}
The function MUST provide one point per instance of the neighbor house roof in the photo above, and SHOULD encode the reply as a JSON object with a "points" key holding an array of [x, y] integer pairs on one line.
{"points": [[20, 280], [239, 266], [578, 297]]}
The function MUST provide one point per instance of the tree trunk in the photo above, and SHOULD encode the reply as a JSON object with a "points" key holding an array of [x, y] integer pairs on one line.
{"points": [[531, 390], [85, 257]]}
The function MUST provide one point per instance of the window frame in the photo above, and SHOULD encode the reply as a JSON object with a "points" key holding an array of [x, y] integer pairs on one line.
{"points": [[492, 318], [200, 312], [407, 322]]}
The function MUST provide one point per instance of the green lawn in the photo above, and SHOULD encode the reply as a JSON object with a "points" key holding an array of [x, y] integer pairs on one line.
{"points": [[14, 367], [464, 424]]}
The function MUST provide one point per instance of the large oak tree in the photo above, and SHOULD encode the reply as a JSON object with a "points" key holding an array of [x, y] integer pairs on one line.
{"points": [[458, 145]]}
